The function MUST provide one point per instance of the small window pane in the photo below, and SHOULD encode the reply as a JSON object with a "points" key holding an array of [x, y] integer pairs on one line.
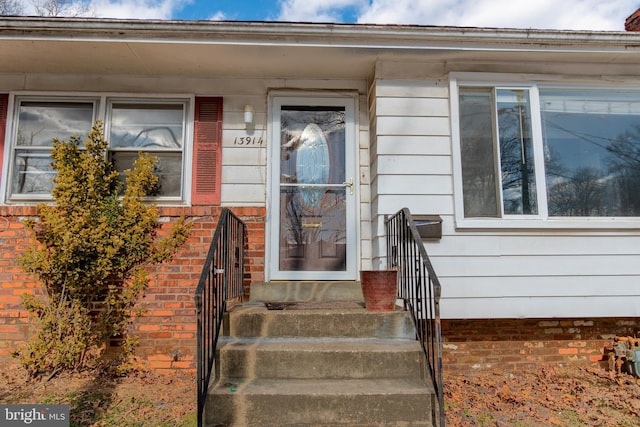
{"points": [[478, 156], [168, 169], [516, 152], [147, 126], [592, 152], [32, 173], [40, 122]]}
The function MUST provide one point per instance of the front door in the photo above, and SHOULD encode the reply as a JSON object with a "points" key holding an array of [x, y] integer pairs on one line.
{"points": [[313, 202]]}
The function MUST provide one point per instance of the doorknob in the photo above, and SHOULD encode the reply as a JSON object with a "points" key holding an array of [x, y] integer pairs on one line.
{"points": [[349, 184]]}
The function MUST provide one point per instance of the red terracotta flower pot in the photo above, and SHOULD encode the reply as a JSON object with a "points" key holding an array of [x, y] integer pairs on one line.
{"points": [[380, 289]]}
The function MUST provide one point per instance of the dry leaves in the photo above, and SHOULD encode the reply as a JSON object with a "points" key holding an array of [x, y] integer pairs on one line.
{"points": [[552, 396], [142, 399]]}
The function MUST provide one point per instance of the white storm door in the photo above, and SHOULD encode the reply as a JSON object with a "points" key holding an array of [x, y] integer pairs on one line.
{"points": [[314, 220]]}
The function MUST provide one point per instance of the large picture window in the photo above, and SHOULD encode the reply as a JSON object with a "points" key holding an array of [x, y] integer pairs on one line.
{"points": [[132, 126], [592, 152], [577, 151]]}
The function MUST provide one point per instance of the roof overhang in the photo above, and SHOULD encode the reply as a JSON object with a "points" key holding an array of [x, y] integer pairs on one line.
{"points": [[277, 49]]}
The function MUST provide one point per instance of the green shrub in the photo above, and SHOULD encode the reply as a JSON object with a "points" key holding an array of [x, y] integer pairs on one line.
{"points": [[90, 252]]}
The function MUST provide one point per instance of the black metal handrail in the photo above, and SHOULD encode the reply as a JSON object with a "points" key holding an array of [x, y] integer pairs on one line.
{"points": [[419, 287], [222, 279]]}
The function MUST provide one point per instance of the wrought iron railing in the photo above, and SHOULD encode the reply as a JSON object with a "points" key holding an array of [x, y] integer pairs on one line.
{"points": [[419, 287], [222, 279]]}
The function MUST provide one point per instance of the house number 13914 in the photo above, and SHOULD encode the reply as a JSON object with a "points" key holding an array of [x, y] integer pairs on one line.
{"points": [[247, 140]]}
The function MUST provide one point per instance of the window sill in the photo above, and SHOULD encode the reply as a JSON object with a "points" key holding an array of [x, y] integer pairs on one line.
{"points": [[549, 224], [49, 201]]}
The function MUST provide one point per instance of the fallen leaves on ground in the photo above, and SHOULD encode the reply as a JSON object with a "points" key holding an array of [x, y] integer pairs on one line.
{"points": [[569, 396], [551, 396], [100, 400]]}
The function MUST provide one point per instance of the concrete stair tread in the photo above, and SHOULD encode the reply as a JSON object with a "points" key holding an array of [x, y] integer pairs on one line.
{"points": [[320, 344], [316, 387], [255, 320], [389, 403], [307, 291], [321, 358], [313, 305], [325, 308]]}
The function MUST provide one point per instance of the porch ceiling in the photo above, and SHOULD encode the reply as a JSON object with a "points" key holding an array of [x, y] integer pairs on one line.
{"points": [[184, 59], [281, 50]]}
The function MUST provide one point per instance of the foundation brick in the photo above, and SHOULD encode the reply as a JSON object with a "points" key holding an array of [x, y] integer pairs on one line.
{"points": [[159, 365], [515, 343]]}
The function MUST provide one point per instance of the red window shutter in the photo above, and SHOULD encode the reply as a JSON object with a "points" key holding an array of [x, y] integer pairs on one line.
{"points": [[4, 104], [207, 152]]}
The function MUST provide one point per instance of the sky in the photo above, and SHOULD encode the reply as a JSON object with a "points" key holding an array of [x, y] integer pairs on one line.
{"points": [[598, 15]]}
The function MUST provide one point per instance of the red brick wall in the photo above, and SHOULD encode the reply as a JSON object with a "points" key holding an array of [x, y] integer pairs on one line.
{"points": [[13, 282], [528, 343], [632, 23], [167, 330]]}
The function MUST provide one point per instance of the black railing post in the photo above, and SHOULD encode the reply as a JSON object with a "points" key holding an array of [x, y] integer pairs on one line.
{"points": [[199, 372], [420, 288], [212, 294]]}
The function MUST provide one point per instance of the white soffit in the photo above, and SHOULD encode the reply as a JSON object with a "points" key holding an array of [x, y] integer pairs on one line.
{"points": [[206, 48]]}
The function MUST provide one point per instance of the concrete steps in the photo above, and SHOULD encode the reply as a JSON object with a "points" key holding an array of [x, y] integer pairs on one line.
{"points": [[272, 403], [305, 291], [319, 359], [327, 364], [339, 320]]}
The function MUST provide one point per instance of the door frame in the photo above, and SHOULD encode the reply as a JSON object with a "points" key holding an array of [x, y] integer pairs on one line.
{"points": [[272, 226]]}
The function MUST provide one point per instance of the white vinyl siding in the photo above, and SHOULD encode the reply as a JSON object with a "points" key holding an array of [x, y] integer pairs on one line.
{"points": [[411, 154], [548, 269], [244, 153]]}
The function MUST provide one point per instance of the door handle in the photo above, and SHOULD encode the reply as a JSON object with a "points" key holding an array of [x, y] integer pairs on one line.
{"points": [[349, 184]]}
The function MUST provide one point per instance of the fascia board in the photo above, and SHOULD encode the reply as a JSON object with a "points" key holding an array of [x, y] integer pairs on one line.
{"points": [[361, 36]]}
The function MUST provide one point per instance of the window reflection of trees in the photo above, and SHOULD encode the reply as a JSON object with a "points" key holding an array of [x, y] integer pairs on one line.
{"points": [[515, 146], [592, 167], [329, 214], [293, 123], [578, 195], [33, 173], [23, 165], [625, 150], [303, 226], [587, 190], [516, 160]]}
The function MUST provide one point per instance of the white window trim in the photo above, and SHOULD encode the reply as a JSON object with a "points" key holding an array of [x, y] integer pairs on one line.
{"points": [[534, 222], [7, 161], [11, 139], [102, 100]]}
